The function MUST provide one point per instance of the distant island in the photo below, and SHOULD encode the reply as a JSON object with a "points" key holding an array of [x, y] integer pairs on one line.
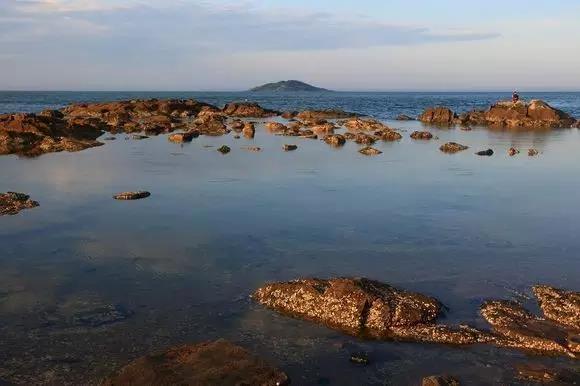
{"points": [[288, 86]]}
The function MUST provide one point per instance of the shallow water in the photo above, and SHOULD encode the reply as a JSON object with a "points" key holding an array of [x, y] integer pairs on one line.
{"points": [[88, 283]]}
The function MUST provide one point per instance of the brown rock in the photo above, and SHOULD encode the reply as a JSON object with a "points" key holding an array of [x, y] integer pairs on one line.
{"points": [[131, 195], [324, 114], [370, 151], [12, 203], [237, 125], [276, 127], [356, 306], [388, 135], [440, 380], [438, 115], [358, 124], [327, 128], [513, 151], [559, 305], [533, 152], [289, 114], [290, 147], [182, 137], [421, 135], [335, 139], [364, 139], [452, 147], [218, 363], [249, 131], [248, 110]]}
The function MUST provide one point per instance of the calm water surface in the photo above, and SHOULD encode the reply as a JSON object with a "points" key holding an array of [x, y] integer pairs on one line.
{"points": [[88, 283]]}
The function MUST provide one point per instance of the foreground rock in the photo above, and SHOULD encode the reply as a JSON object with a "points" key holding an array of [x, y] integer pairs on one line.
{"points": [[559, 305], [438, 115], [248, 110], [12, 203], [131, 195], [440, 380], [453, 147], [211, 363]]}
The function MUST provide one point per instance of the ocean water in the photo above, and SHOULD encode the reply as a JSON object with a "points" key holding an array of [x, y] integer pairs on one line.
{"points": [[88, 283]]}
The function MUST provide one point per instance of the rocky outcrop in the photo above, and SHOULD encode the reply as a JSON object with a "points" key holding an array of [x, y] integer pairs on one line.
{"points": [[536, 114], [335, 139], [12, 203], [421, 135], [131, 195], [248, 110], [358, 124], [438, 115], [210, 363], [452, 147], [559, 305], [307, 115]]}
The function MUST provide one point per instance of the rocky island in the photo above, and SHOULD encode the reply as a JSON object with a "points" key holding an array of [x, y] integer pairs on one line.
{"points": [[288, 86]]}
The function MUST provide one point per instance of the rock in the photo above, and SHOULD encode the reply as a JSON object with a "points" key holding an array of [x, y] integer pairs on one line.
{"points": [[356, 306], [313, 122], [577, 124], [276, 127], [139, 137], [533, 152], [335, 139], [359, 359], [466, 128], [324, 114], [326, 128], [421, 135], [211, 122], [438, 115], [289, 114], [182, 137], [536, 114], [513, 151], [254, 149], [559, 305], [370, 151], [487, 153], [209, 363], [440, 380], [249, 131], [364, 139], [403, 117], [131, 195], [224, 149], [237, 125], [12, 203], [536, 372], [248, 110], [452, 147], [290, 147], [358, 124], [388, 135]]}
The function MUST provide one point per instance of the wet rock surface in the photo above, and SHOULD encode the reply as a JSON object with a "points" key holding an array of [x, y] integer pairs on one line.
{"points": [[183, 137], [224, 149], [513, 151], [452, 147], [131, 195], [537, 373], [559, 305], [440, 380], [11, 203], [211, 363], [487, 153], [288, 147]]}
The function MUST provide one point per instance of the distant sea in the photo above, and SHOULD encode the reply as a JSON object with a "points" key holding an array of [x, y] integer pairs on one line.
{"points": [[382, 105]]}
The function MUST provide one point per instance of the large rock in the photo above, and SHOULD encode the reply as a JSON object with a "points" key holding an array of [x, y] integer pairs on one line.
{"points": [[12, 203], [536, 114], [438, 115], [218, 363], [559, 305], [357, 306], [248, 110], [324, 114]]}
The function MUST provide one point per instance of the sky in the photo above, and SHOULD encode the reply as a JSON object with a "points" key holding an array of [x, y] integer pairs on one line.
{"points": [[363, 45]]}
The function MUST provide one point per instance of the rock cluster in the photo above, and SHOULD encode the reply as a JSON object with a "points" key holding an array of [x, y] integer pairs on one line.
{"points": [[12, 203], [210, 363]]}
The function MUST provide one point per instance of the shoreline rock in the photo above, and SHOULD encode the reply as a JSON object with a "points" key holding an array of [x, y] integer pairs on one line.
{"points": [[11, 203], [209, 363]]}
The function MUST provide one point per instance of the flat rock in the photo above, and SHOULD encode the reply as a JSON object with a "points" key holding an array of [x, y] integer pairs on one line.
{"points": [[12, 203], [248, 110], [421, 135], [368, 150], [218, 363], [453, 147], [131, 195]]}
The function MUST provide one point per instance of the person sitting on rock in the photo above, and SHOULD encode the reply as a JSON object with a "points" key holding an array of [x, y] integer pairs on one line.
{"points": [[515, 96]]}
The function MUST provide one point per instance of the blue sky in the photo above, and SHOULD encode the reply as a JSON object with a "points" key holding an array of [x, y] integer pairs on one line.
{"points": [[343, 45]]}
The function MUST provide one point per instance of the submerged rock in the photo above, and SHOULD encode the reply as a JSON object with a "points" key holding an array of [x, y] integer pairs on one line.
{"points": [[132, 195], [440, 380], [209, 363], [224, 149], [248, 110], [421, 135], [487, 153], [453, 147], [403, 117], [335, 139], [438, 115], [368, 150], [12, 203], [289, 147]]}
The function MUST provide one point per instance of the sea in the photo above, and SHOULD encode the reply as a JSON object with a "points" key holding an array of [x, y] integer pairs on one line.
{"points": [[88, 284]]}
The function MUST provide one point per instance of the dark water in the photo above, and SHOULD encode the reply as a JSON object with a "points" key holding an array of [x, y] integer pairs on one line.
{"points": [[88, 283]]}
